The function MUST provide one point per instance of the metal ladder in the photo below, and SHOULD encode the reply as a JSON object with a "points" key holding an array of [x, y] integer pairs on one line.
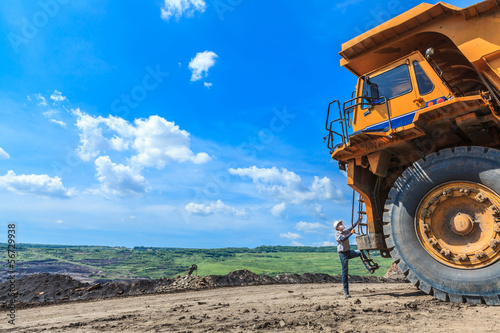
{"points": [[370, 265]]}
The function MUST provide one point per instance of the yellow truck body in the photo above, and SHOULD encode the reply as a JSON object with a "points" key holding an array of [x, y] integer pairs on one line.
{"points": [[428, 90]]}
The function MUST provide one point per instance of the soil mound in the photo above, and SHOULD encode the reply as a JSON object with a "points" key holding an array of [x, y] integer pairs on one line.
{"points": [[49, 288]]}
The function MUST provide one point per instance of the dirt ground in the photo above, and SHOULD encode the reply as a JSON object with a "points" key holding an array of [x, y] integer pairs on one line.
{"points": [[285, 308]]}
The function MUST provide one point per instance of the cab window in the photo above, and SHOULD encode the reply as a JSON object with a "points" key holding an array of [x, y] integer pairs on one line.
{"points": [[391, 84], [425, 85]]}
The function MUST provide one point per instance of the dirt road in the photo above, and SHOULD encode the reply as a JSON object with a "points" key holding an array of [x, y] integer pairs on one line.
{"points": [[284, 308]]}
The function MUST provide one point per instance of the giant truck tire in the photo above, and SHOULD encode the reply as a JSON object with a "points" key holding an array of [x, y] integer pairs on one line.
{"points": [[442, 224]]}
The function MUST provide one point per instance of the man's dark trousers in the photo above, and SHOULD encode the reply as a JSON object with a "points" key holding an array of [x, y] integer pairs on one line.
{"points": [[344, 260]]}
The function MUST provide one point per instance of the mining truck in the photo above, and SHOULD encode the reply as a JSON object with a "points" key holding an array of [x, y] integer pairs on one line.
{"points": [[419, 141]]}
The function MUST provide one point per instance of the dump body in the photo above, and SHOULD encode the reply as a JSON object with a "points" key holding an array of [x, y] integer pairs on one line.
{"points": [[438, 67]]}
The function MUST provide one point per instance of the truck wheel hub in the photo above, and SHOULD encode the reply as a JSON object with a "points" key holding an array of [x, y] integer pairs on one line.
{"points": [[462, 224], [458, 224]]}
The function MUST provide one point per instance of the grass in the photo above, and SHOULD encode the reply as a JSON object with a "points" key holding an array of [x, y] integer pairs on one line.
{"points": [[140, 262]]}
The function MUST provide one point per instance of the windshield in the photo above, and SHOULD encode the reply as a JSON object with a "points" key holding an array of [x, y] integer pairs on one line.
{"points": [[391, 84]]}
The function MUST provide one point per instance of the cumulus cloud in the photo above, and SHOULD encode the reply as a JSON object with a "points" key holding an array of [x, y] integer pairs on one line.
{"points": [[154, 140], [290, 235], [310, 227], [217, 207], [4, 155], [278, 209], [177, 8], [159, 142], [119, 179], [207, 84], [201, 63], [288, 186], [57, 96], [295, 243], [59, 221], [149, 142], [41, 185], [58, 122]]}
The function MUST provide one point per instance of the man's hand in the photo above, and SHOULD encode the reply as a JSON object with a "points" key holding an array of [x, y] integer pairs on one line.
{"points": [[353, 231]]}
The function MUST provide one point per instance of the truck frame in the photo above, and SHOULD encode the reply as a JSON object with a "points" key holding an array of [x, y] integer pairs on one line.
{"points": [[420, 142]]}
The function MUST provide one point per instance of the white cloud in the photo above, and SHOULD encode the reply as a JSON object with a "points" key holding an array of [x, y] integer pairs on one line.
{"points": [[318, 211], [159, 142], [295, 243], [57, 96], [213, 208], [201, 63], [207, 84], [50, 113], [290, 235], [59, 221], [118, 144], [155, 140], [325, 243], [150, 142], [58, 122], [119, 179], [263, 175], [42, 185], [177, 8], [310, 227], [278, 209], [287, 186], [4, 155], [43, 101]]}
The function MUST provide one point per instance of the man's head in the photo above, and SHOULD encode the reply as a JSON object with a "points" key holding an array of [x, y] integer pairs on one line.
{"points": [[338, 225]]}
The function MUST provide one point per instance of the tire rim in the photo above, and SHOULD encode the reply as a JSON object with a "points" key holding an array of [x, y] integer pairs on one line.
{"points": [[458, 224]]}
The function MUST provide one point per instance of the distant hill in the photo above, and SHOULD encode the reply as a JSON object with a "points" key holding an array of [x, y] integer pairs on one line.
{"points": [[91, 263]]}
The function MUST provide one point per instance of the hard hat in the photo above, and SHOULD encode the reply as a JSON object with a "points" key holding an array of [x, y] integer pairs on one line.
{"points": [[336, 223]]}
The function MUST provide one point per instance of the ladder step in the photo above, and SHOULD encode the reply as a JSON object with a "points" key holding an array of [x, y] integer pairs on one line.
{"points": [[363, 213]]}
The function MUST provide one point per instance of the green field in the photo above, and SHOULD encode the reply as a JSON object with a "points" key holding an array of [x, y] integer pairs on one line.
{"points": [[140, 262]]}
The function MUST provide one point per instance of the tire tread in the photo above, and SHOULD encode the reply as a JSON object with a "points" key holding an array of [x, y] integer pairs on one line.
{"points": [[399, 184]]}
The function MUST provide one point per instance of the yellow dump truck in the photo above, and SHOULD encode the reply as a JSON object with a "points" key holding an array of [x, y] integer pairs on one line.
{"points": [[419, 139]]}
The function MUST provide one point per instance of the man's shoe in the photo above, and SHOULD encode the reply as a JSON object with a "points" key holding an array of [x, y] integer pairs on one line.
{"points": [[346, 295]]}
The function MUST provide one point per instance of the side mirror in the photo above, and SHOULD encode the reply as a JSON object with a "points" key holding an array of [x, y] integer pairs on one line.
{"points": [[429, 53]]}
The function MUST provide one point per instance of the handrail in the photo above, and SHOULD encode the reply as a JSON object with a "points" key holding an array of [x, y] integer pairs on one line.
{"points": [[345, 116], [341, 120]]}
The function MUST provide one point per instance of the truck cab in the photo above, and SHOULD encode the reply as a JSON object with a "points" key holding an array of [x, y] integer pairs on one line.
{"points": [[388, 97]]}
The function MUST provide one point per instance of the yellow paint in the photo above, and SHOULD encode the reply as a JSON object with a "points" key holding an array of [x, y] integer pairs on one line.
{"points": [[404, 104]]}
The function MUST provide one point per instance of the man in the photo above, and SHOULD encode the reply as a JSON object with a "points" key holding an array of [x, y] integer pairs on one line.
{"points": [[345, 253]]}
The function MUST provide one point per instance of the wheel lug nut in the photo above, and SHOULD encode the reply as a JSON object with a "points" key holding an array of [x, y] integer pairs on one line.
{"points": [[426, 227], [445, 252], [464, 191], [479, 254], [480, 197], [426, 213], [493, 244], [462, 257], [448, 193], [497, 228], [494, 210], [433, 241]]}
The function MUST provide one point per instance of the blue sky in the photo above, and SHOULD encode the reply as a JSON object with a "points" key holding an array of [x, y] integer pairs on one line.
{"points": [[175, 123]]}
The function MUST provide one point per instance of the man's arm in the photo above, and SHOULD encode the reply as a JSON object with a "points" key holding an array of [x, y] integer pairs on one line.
{"points": [[351, 230]]}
